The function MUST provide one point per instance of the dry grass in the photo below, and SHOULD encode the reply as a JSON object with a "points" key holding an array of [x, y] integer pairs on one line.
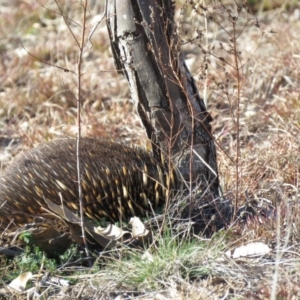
{"points": [[37, 104]]}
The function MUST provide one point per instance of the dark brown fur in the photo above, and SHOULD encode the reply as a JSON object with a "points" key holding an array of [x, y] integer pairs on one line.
{"points": [[117, 181]]}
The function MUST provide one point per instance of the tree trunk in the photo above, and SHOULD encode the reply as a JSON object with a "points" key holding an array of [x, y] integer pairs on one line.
{"points": [[146, 50]]}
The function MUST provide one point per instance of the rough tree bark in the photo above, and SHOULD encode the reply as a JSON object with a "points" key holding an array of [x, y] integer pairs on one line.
{"points": [[146, 50]]}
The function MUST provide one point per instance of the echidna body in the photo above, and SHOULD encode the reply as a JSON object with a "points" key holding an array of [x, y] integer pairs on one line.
{"points": [[118, 181]]}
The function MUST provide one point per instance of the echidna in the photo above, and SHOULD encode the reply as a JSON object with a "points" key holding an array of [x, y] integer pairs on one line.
{"points": [[118, 181]]}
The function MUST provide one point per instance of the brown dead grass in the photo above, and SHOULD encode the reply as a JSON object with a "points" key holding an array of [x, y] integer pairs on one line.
{"points": [[37, 104]]}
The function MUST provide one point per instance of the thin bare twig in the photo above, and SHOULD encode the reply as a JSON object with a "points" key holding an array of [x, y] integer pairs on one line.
{"points": [[93, 29], [47, 63], [81, 46], [237, 114], [66, 22]]}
